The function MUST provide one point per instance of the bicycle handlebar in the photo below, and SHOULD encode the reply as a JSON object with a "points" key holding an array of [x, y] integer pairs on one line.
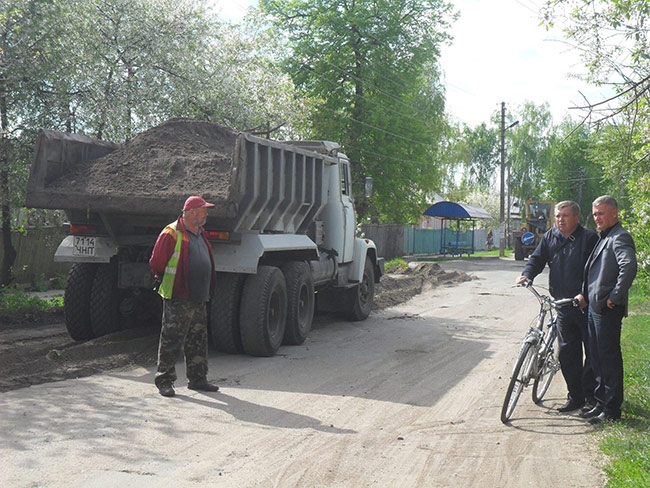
{"points": [[563, 302]]}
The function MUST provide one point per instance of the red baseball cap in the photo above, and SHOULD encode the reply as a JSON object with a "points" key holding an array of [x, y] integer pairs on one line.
{"points": [[196, 202]]}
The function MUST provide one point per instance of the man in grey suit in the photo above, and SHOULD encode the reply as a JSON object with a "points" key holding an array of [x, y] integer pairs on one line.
{"points": [[608, 275]]}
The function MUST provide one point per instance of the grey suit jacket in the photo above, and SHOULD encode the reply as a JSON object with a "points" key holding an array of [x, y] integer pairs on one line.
{"points": [[610, 270]]}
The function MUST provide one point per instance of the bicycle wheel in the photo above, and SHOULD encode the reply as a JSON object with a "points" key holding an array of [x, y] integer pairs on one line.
{"points": [[549, 364], [518, 381]]}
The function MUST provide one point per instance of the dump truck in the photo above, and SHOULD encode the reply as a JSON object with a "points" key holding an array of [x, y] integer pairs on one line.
{"points": [[538, 217], [282, 233]]}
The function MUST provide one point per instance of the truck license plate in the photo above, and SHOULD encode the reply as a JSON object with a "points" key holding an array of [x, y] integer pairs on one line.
{"points": [[83, 246]]}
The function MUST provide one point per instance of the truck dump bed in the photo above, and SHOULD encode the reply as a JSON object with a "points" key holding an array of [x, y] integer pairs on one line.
{"points": [[256, 184]]}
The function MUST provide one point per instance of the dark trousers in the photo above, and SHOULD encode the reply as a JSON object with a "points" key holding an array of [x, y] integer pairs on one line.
{"points": [[607, 358], [576, 366], [184, 328]]}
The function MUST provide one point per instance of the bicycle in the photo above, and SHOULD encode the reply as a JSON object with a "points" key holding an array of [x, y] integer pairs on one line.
{"points": [[538, 360]]}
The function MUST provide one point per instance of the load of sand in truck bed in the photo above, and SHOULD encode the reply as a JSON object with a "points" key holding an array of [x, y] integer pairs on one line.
{"points": [[178, 158]]}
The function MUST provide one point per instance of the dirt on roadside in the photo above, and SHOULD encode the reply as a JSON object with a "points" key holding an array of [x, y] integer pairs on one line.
{"points": [[39, 350]]}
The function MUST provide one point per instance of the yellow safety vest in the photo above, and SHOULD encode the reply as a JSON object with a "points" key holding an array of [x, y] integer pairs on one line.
{"points": [[167, 284]]}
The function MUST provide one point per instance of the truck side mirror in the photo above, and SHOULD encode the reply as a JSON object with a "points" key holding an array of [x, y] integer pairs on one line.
{"points": [[369, 186]]}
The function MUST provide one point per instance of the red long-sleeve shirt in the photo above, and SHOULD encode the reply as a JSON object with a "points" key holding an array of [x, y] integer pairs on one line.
{"points": [[163, 251]]}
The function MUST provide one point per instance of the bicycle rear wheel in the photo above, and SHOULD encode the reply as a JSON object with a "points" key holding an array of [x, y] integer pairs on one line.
{"points": [[549, 364], [518, 381]]}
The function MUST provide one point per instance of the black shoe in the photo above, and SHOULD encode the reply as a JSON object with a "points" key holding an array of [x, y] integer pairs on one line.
{"points": [[594, 412], [202, 385], [570, 405], [589, 404], [166, 390], [603, 417]]}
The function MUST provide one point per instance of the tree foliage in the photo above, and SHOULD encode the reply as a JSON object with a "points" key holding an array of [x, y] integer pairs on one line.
{"points": [[370, 68], [613, 36]]}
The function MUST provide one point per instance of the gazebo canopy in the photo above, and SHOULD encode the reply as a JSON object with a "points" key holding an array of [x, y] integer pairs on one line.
{"points": [[457, 211]]}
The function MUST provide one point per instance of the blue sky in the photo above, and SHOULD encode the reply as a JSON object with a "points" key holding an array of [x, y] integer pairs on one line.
{"points": [[499, 54]]}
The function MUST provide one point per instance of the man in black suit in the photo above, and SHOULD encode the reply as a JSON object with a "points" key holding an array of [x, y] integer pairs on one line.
{"points": [[608, 275]]}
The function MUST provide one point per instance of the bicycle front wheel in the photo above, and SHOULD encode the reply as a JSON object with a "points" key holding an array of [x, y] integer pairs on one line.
{"points": [[518, 381], [549, 364]]}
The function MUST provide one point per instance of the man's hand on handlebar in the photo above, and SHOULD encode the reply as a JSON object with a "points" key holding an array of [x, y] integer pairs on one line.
{"points": [[582, 303], [522, 280]]}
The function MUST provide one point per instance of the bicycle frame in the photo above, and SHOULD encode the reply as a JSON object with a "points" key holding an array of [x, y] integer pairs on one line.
{"points": [[535, 360]]}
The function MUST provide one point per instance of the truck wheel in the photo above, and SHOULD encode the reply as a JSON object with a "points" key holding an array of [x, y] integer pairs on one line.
{"points": [[223, 316], [519, 251], [263, 313], [76, 301], [300, 302], [362, 295], [105, 301]]}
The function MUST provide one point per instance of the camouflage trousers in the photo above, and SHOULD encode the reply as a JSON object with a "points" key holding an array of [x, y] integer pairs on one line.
{"points": [[184, 328]]}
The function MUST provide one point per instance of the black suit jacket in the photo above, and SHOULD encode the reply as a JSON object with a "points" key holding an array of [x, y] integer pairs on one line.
{"points": [[610, 270]]}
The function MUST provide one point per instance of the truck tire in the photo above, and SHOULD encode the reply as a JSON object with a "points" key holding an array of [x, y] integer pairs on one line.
{"points": [[363, 294], [263, 314], [223, 316], [105, 301], [300, 302], [519, 250], [76, 301]]}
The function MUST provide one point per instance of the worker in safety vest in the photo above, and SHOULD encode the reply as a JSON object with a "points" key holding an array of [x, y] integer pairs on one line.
{"points": [[182, 260]]}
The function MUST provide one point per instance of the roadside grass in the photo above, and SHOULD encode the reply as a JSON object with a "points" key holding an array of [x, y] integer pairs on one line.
{"points": [[479, 254], [394, 264], [627, 442], [17, 305]]}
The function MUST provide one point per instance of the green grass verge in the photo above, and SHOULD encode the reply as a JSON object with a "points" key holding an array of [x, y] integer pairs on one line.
{"points": [[18, 305], [627, 443], [480, 254], [394, 264]]}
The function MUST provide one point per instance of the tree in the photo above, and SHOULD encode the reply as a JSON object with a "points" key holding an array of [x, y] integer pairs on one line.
{"points": [[613, 36], [27, 28], [370, 67], [112, 68], [572, 172], [529, 154]]}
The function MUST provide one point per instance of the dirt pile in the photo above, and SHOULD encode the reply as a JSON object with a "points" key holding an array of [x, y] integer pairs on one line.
{"points": [[402, 284], [177, 158]]}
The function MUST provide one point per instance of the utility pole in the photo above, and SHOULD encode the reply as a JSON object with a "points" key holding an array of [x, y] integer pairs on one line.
{"points": [[502, 227]]}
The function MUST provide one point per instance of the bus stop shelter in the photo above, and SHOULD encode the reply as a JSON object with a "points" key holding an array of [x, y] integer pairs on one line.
{"points": [[450, 212]]}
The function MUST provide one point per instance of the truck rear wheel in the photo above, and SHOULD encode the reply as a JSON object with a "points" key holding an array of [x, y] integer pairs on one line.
{"points": [[105, 301], [76, 301], [363, 294], [263, 313], [300, 302], [223, 319]]}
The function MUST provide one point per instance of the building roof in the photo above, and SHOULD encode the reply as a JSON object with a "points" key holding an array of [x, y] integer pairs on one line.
{"points": [[457, 211]]}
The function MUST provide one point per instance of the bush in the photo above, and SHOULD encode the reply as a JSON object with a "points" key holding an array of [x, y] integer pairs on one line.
{"points": [[394, 264], [17, 305]]}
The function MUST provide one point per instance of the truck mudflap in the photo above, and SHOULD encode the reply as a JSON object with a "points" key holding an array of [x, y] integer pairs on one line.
{"points": [[84, 249], [365, 248]]}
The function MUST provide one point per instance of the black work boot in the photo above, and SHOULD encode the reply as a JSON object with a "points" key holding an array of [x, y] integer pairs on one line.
{"points": [[166, 390]]}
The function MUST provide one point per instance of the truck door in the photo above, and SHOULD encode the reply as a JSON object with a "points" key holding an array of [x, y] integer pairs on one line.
{"points": [[348, 213]]}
